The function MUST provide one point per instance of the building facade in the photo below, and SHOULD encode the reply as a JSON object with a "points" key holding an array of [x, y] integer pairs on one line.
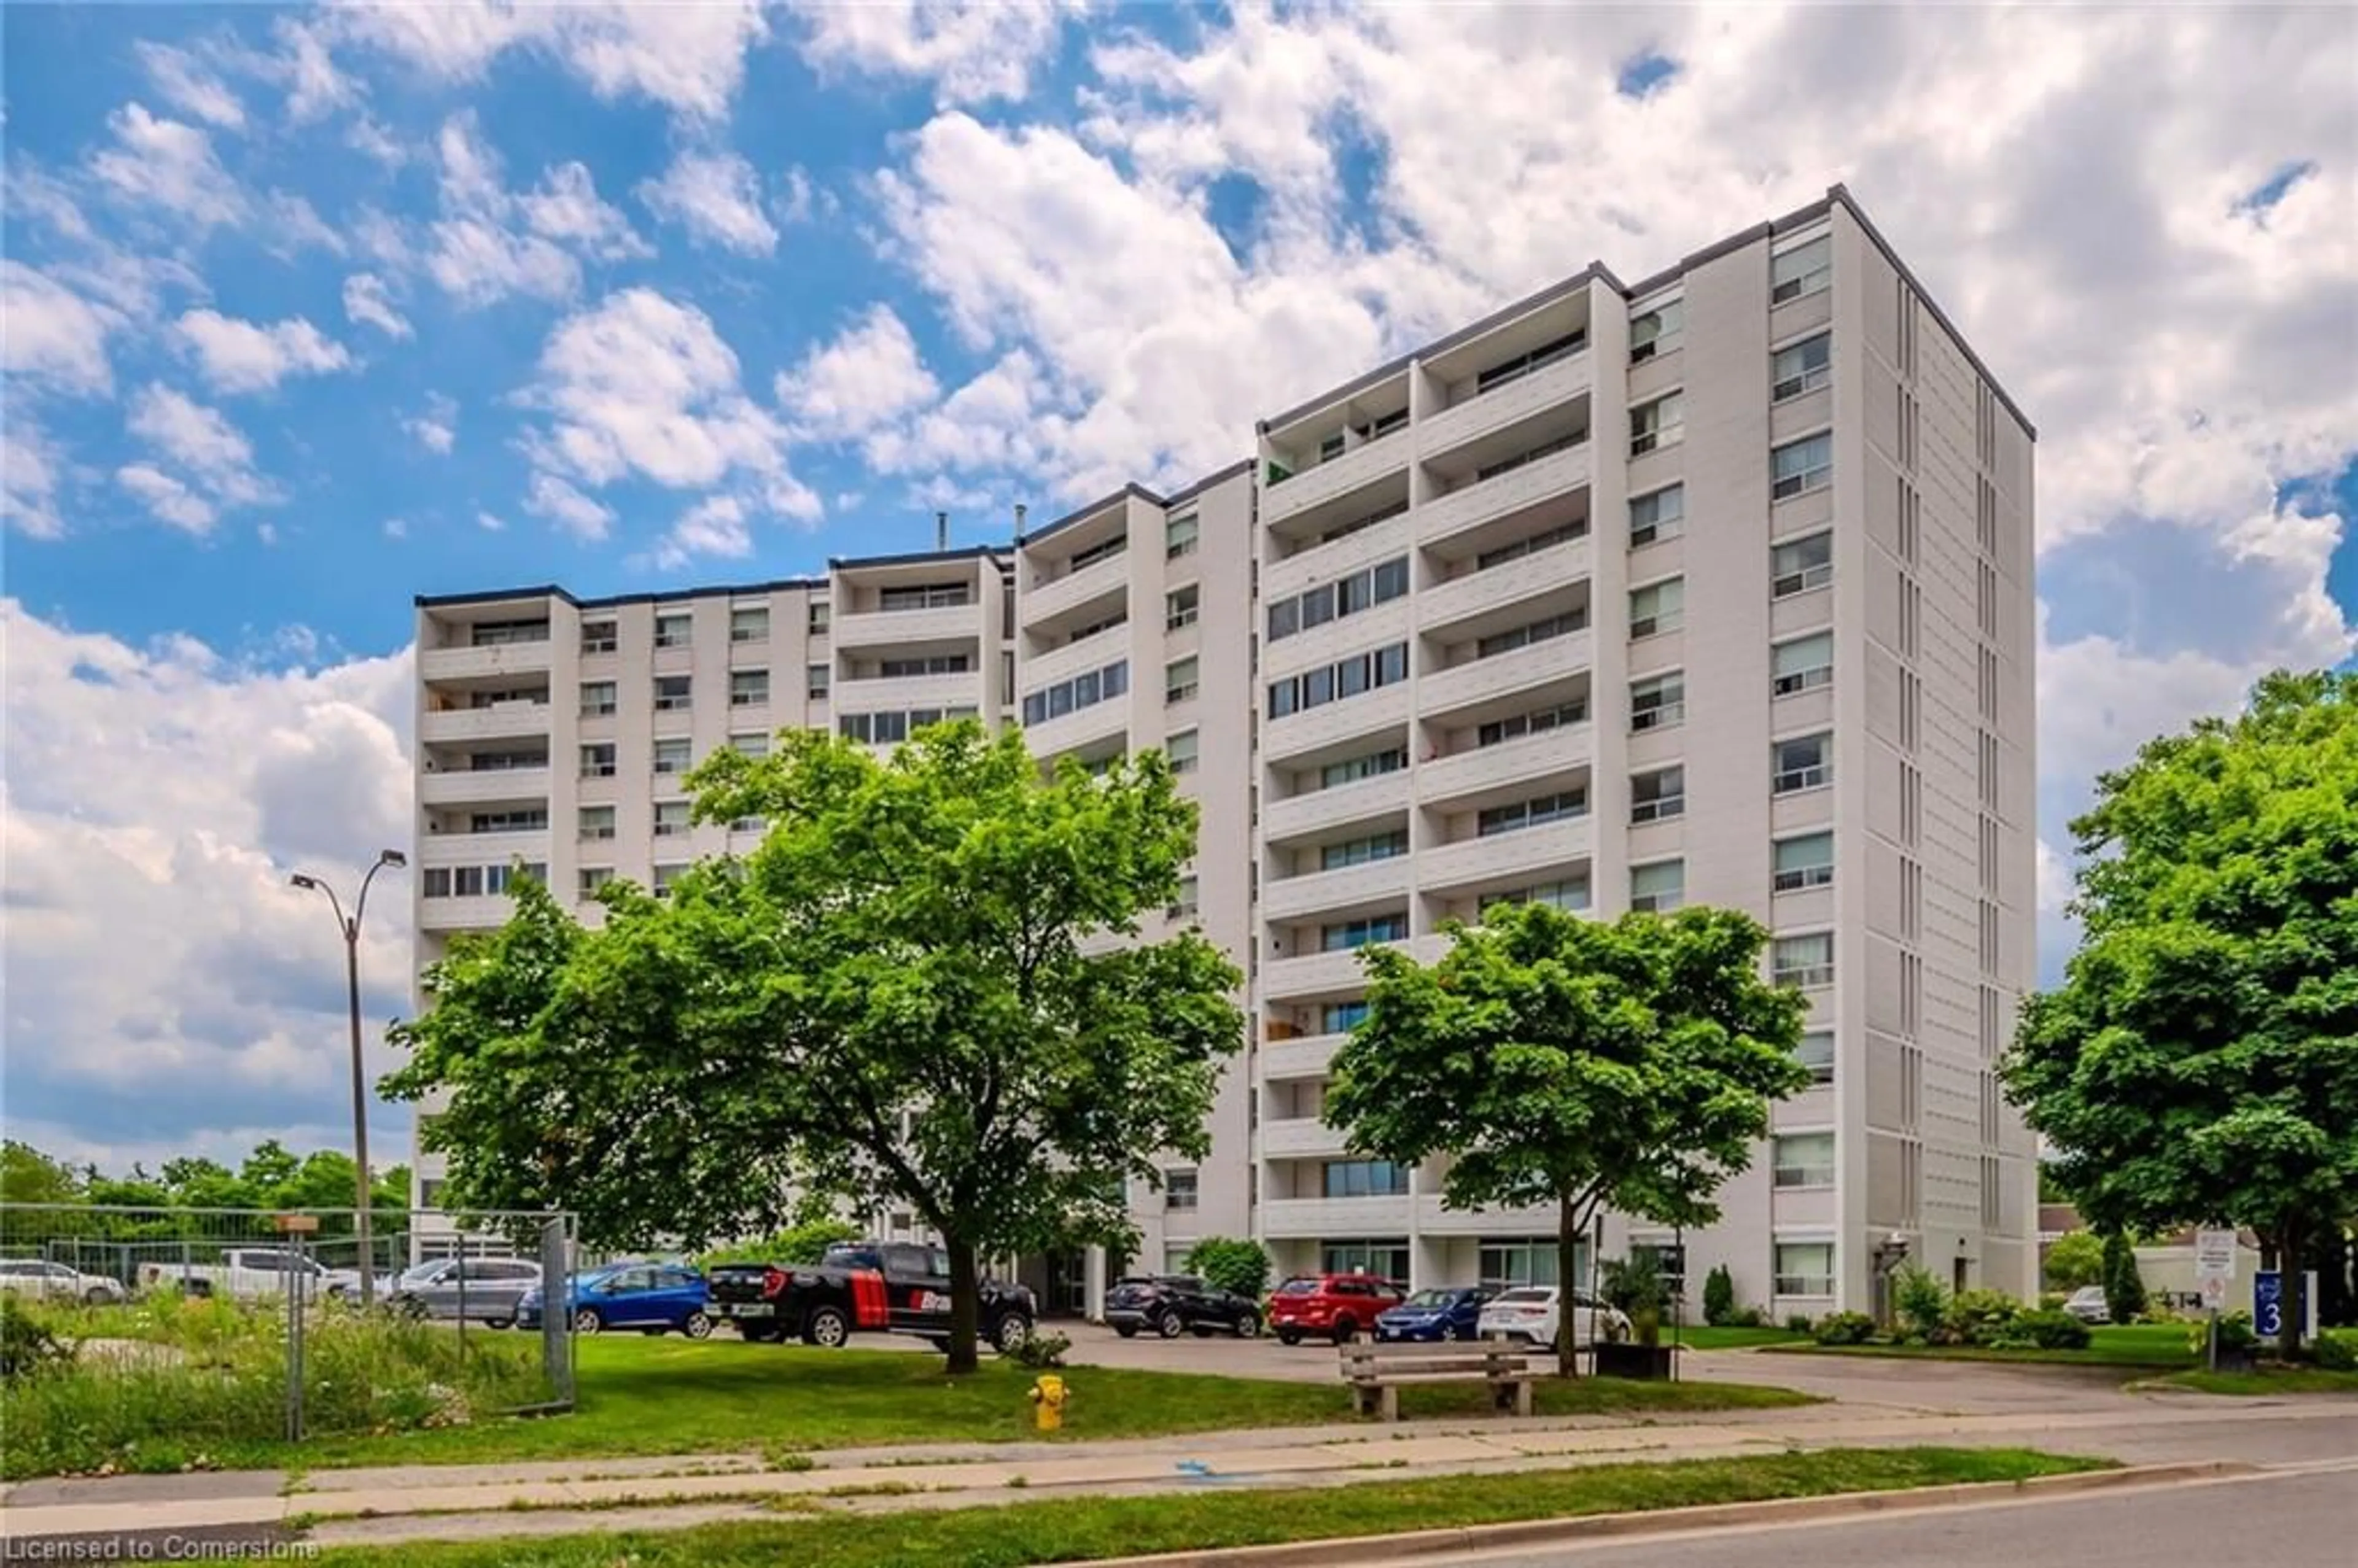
{"points": [[1714, 588]]}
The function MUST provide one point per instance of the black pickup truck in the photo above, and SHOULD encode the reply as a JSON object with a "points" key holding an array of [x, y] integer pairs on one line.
{"points": [[890, 1287]]}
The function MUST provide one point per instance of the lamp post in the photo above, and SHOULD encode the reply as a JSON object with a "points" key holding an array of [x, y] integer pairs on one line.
{"points": [[349, 927]]}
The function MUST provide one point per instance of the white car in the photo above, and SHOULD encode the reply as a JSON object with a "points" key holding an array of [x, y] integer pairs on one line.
{"points": [[2088, 1304], [55, 1281], [1529, 1314]]}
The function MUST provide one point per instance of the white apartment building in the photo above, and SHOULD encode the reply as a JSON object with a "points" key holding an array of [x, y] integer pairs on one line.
{"points": [[1711, 588]]}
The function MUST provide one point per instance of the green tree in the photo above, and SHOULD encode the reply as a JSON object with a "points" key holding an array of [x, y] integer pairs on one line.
{"points": [[2199, 1062], [1233, 1263], [2075, 1259], [269, 1168], [805, 1243], [1718, 1296], [2124, 1286], [199, 1183], [1574, 1063], [890, 997]]}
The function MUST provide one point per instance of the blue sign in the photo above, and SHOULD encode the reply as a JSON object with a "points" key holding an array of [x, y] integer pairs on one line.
{"points": [[2267, 1303]]}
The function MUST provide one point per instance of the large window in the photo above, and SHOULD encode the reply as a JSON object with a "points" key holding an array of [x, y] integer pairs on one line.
{"points": [[596, 822], [1180, 681], [1803, 665], [1658, 607], [816, 679], [671, 819], [1658, 702], [1180, 535], [1657, 332], [1659, 886], [1569, 895], [1797, 565], [1816, 1052], [1182, 751], [1180, 607], [598, 760], [1659, 424], [1363, 852], [1504, 1264], [1805, 1268], [1539, 721], [674, 756], [891, 729], [1377, 1260], [597, 699], [1343, 936], [1341, 1017], [1659, 795], [1800, 466], [1660, 515], [1803, 270], [753, 743], [923, 596], [1104, 551], [818, 617], [1805, 761], [748, 689], [749, 625], [1363, 1179], [1332, 683], [672, 694], [674, 631], [1561, 806], [598, 637], [1362, 590], [1804, 1159], [930, 664], [1804, 961], [1351, 769], [1807, 861], [1804, 367], [1083, 690], [1178, 1189]]}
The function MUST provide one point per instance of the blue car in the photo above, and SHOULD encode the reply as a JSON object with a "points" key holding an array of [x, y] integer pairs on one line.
{"points": [[653, 1298], [1449, 1314]]}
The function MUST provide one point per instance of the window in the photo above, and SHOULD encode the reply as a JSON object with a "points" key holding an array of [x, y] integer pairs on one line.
{"points": [[932, 665], [1522, 364], [673, 756], [596, 822], [1377, 1260], [1659, 424], [1571, 894], [1084, 559], [1179, 680], [671, 693], [598, 760], [503, 762], [1658, 797], [1805, 1268], [503, 633], [1380, 515], [598, 637], [1504, 1265], [434, 881], [748, 824], [1559, 806], [671, 819], [590, 879], [1362, 851], [528, 820], [1178, 1189], [1182, 751], [1807, 861], [1803, 665], [1541, 630], [1801, 271], [816, 679], [1349, 934], [1353, 769], [1804, 961], [1657, 331], [1331, 683], [1660, 886], [1799, 565], [818, 616], [1806, 762], [1179, 607], [1816, 1052], [1179, 537], [923, 596], [1532, 544], [597, 699], [1341, 1017], [751, 744], [674, 631], [1804, 1159], [748, 689], [1658, 607], [1084, 690], [1188, 899], [1660, 515], [1362, 590], [1804, 367], [1658, 702], [1530, 455], [1800, 466], [749, 625], [1558, 715], [665, 879], [1363, 1178], [1331, 448]]}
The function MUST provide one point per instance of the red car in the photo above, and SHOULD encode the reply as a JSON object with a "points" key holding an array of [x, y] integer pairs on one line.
{"points": [[1330, 1306]]}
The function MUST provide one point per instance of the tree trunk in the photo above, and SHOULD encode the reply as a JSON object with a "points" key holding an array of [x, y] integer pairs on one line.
{"points": [[965, 1305], [2289, 1280], [1568, 1226]]}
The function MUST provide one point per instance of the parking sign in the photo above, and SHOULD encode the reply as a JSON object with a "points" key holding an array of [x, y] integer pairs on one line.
{"points": [[2267, 1303]]}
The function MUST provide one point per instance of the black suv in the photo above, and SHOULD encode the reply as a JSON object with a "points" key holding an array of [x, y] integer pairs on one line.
{"points": [[1171, 1304]]}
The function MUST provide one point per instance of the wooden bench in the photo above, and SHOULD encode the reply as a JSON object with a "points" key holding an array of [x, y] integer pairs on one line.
{"points": [[1377, 1373]]}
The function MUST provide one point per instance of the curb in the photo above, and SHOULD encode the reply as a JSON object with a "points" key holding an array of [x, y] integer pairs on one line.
{"points": [[1408, 1546]]}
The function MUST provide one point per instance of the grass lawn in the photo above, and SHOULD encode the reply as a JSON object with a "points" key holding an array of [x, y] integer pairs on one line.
{"points": [[642, 1396], [2274, 1380], [1080, 1530], [2157, 1346], [1706, 1337]]}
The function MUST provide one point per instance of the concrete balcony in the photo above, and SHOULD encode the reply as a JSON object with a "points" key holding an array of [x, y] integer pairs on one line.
{"points": [[479, 664], [1360, 801], [1528, 851], [1314, 974], [887, 628], [1510, 762], [489, 785], [486, 912], [1374, 628], [500, 721], [1081, 729], [1314, 1217], [1298, 734], [1337, 476], [1552, 571], [1091, 652], [1325, 563], [1504, 674], [1378, 883], [898, 694], [1475, 504], [1309, 1057], [1100, 581], [483, 849], [1433, 1219], [1525, 395], [1305, 1138]]}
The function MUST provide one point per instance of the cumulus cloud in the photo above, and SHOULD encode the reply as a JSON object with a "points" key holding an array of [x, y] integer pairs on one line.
{"points": [[436, 429], [491, 243], [169, 166], [189, 85], [367, 302], [213, 458], [870, 375], [54, 337], [30, 474], [972, 50], [717, 525], [717, 198], [562, 504], [247, 356]]}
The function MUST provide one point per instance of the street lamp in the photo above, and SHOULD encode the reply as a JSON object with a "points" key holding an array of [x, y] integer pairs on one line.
{"points": [[351, 929]]}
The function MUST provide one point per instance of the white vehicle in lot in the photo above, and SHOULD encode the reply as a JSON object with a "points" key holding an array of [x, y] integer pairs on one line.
{"points": [[55, 1281], [248, 1274], [2088, 1304], [1529, 1314]]}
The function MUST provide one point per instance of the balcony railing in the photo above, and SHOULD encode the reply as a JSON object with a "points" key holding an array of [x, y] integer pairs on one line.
{"points": [[1502, 405], [1336, 476], [1558, 473]]}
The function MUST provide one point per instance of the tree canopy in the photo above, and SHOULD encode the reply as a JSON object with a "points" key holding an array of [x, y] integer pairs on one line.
{"points": [[915, 991], [1575, 1063], [2199, 1062]]}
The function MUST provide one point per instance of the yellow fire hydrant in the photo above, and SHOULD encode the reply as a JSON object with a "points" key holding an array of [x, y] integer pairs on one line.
{"points": [[1048, 1396]]}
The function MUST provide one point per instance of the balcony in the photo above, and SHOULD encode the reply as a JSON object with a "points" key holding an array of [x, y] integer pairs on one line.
{"points": [[1308, 1057], [1360, 801], [1503, 675], [1475, 504], [1434, 1219], [1519, 399], [1550, 570], [502, 720], [888, 628], [483, 849], [1303, 1138], [1330, 724], [1100, 581], [1091, 652], [485, 912], [1526, 852], [1081, 729], [900, 694], [479, 664], [1346, 889], [475, 788], [1325, 563], [1338, 639], [1509, 763], [1337, 476], [1314, 974], [1315, 1217]]}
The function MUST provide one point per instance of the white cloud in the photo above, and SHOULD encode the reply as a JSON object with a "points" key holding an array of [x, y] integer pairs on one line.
{"points": [[188, 84], [491, 243], [163, 977], [215, 460], [871, 374], [29, 468], [237, 356], [368, 302], [566, 208], [490, 523], [315, 88], [288, 225], [165, 164], [715, 526], [436, 429], [717, 198], [562, 504], [168, 498], [973, 50], [53, 336]]}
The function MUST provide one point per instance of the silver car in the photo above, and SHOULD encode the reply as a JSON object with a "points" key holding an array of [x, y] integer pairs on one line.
{"points": [[480, 1290], [55, 1281], [2088, 1304]]}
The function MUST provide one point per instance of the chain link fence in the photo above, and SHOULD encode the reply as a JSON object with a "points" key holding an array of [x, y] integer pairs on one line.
{"points": [[129, 1336]]}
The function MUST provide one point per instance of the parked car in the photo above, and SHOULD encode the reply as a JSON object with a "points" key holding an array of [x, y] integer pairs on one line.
{"points": [[1530, 1314], [55, 1281], [1330, 1306], [892, 1287], [1452, 1312], [1171, 1304], [479, 1290], [2088, 1304], [243, 1273], [653, 1298]]}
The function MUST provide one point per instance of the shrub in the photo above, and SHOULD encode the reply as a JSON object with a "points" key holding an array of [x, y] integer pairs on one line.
{"points": [[2337, 1351], [1719, 1298], [2124, 1286], [1919, 1299], [26, 1344], [1042, 1352], [1844, 1328], [1241, 1266], [1979, 1317], [807, 1244], [2074, 1260], [2236, 1333], [2051, 1301], [1633, 1284], [2044, 1330], [1799, 1323], [1747, 1317]]}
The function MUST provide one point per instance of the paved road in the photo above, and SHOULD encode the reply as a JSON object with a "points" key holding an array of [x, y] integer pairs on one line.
{"points": [[2295, 1520]]}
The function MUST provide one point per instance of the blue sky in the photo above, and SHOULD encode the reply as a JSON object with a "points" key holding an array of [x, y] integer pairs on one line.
{"points": [[309, 312]]}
